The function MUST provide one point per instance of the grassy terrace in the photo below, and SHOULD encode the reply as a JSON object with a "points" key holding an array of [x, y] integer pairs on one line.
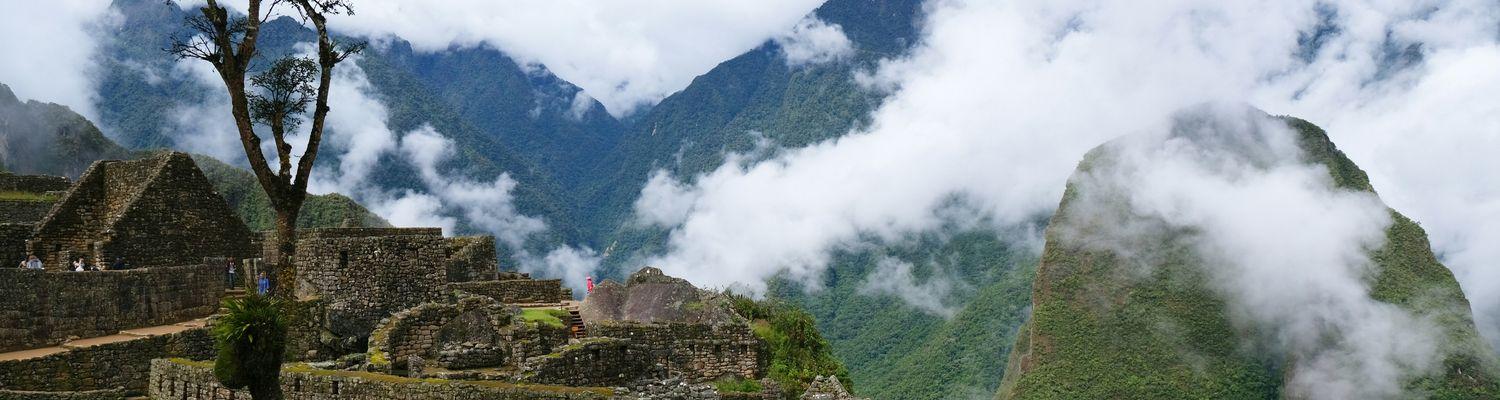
{"points": [[545, 316], [11, 195]]}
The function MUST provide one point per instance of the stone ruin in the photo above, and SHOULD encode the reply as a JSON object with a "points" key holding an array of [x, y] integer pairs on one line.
{"points": [[375, 306]]}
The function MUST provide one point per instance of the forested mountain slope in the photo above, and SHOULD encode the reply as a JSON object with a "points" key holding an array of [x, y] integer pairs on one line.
{"points": [[1156, 314]]}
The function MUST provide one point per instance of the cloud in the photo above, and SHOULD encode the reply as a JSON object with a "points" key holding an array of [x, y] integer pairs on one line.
{"points": [[1287, 249], [894, 277], [625, 53], [999, 101], [49, 50], [813, 41]]}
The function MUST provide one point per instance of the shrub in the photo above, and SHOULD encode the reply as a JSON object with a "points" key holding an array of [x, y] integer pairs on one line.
{"points": [[251, 339]]}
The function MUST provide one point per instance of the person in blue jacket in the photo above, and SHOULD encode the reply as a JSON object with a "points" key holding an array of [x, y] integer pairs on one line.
{"points": [[262, 284]]}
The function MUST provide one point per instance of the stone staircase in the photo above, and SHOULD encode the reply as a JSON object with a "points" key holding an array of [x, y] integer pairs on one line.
{"points": [[576, 328]]}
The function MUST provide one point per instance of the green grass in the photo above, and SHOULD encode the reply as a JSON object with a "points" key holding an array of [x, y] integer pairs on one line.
{"points": [[545, 316], [737, 385], [26, 196]]}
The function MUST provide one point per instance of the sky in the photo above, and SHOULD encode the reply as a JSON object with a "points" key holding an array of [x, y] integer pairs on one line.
{"points": [[994, 105]]}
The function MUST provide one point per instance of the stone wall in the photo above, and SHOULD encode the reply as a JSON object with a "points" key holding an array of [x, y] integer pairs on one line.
{"points": [[39, 309], [593, 362], [518, 291], [108, 394], [366, 274], [13, 243], [472, 258], [32, 183], [470, 332], [106, 366], [185, 380], [24, 211], [700, 352], [462, 335]]}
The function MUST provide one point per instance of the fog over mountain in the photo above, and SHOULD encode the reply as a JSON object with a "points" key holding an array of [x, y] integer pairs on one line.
{"points": [[839, 153]]}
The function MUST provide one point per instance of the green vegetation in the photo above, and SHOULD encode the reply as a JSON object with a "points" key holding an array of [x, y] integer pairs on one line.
{"points": [[250, 338], [737, 385], [1095, 333], [798, 352], [10, 195], [544, 316], [245, 196]]}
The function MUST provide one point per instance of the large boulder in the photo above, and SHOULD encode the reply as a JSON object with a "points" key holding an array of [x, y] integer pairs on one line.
{"points": [[650, 296]]}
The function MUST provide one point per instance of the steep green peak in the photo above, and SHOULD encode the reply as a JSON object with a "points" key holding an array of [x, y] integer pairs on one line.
{"points": [[1240, 256]]}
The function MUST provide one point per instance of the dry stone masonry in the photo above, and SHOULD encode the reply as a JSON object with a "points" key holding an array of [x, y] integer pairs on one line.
{"points": [[697, 352], [187, 380], [366, 274], [472, 258], [518, 291], [39, 309], [102, 367]]}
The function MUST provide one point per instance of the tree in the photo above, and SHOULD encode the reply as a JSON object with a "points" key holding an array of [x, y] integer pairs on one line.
{"points": [[283, 92]]}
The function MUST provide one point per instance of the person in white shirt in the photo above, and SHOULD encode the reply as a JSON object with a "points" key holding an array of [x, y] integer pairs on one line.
{"points": [[32, 262], [78, 265]]}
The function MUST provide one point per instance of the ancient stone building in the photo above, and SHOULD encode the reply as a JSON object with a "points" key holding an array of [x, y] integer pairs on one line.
{"points": [[39, 309], [365, 274], [157, 211], [472, 258]]}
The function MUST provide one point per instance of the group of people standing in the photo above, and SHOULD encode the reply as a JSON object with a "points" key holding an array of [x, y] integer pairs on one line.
{"points": [[232, 278], [79, 265]]}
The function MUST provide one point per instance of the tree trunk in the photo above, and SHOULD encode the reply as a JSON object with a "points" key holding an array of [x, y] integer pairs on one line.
{"points": [[285, 271]]}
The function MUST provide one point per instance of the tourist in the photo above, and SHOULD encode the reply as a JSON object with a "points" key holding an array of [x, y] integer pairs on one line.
{"points": [[119, 263], [32, 262], [262, 284], [590, 281], [231, 277], [78, 265]]}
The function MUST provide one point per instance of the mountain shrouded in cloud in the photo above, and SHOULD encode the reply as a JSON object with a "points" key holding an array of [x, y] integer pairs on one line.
{"points": [[888, 165], [1234, 255]]}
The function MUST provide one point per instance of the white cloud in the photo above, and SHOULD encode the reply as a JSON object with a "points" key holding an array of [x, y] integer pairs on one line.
{"points": [[813, 41], [664, 201], [894, 277], [1285, 247], [49, 47], [624, 53], [999, 101]]}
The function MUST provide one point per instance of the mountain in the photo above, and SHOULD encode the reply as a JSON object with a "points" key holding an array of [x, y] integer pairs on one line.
{"points": [[50, 139], [46, 138], [1103, 327]]}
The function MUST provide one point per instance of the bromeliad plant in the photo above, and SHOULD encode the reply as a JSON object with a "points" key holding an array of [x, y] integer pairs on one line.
{"points": [[251, 338]]}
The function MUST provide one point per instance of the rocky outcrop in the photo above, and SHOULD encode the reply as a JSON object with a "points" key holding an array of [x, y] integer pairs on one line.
{"points": [[651, 296], [826, 388]]}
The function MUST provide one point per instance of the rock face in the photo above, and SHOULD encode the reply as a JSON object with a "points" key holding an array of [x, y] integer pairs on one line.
{"points": [[826, 388], [650, 296], [1143, 316]]}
